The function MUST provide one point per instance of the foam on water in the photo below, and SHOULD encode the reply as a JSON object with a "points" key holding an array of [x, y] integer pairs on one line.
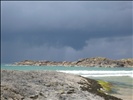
{"points": [[83, 71], [86, 73]]}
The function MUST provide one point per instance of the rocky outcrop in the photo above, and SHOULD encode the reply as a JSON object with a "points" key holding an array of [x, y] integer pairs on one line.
{"points": [[49, 85], [127, 62], [87, 62]]}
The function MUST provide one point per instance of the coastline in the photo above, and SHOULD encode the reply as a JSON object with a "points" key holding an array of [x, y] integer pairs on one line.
{"points": [[50, 84], [86, 62]]}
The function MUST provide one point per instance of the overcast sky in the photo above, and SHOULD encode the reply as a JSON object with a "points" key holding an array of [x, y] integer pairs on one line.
{"points": [[66, 30]]}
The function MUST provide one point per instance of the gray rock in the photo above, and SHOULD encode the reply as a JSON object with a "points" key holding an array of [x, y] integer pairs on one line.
{"points": [[49, 85]]}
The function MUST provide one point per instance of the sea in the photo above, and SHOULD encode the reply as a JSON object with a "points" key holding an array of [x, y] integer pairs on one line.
{"points": [[121, 78]]}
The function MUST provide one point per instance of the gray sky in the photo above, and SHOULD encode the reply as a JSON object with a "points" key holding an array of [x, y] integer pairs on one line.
{"points": [[66, 30]]}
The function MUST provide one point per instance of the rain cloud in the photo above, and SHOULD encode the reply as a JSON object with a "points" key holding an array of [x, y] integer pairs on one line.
{"points": [[57, 30]]}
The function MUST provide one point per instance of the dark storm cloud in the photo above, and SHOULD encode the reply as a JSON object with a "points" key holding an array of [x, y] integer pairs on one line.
{"points": [[114, 48], [61, 25]]}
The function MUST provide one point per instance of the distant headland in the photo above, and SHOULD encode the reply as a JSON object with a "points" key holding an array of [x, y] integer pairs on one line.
{"points": [[85, 62]]}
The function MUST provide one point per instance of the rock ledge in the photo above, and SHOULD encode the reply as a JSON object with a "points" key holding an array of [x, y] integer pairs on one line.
{"points": [[49, 85]]}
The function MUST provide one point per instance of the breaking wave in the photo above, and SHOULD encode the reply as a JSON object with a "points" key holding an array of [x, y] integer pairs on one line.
{"points": [[87, 73]]}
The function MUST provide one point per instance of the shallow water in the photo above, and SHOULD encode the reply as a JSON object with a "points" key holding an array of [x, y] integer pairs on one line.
{"points": [[122, 85], [11, 67], [124, 93]]}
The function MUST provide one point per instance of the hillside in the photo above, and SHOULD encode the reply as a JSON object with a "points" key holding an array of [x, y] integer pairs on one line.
{"points": [[86, 62]]}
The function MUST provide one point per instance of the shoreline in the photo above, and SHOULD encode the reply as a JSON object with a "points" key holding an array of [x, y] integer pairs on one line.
{"points": [[50, 84], [125, 93], [116, 95]]}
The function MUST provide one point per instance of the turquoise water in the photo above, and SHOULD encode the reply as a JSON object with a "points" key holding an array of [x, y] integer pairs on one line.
{"points": [[116, 75], [10, 67]]}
